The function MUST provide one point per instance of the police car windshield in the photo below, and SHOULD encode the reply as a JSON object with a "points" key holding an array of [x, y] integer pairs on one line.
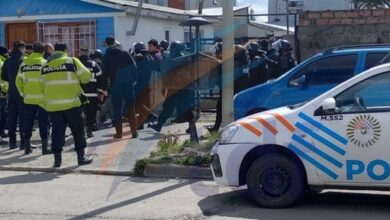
{"points": [[292, 107]]}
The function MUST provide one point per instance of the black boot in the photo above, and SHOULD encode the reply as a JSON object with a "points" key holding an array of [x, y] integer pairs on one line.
{"points": [[90, 133], [45, 151], [22, 143], [82, 159], [27, 147], [57, 160]]}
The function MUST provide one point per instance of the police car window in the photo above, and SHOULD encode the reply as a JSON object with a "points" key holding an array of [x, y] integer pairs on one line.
{"points": [[370, 95], [375, 59], [330, 70]]}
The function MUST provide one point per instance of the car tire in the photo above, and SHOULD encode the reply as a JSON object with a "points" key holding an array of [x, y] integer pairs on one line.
{"points": [[275, 181]]}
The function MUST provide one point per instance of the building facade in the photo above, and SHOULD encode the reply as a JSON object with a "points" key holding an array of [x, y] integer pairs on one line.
{"points": [[281, 6], [74, 22], [86, 23]]}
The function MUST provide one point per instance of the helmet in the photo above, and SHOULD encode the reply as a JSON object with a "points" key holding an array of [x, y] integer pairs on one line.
{"points": [[164, 44], [176, 47], [239, 51], [264, 44], [252, 47], [97, 54], [218, 47], [139, 47], [285, 45]]}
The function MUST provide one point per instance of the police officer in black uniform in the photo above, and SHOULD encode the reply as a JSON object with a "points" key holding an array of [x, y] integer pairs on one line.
{"points": [[258, 68], [91, 90], [15, 103], [176, 99], [145, 64]]}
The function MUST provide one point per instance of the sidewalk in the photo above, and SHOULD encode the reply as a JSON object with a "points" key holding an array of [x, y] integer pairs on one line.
{"points": [[114, 157]]}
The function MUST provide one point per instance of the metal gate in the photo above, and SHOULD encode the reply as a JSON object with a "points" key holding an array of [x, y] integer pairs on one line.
{"points": [[74, 34]]}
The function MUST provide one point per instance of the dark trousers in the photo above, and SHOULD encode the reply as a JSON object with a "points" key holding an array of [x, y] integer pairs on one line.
{"points": [[90, 110], [179, 100], [123, 100], [3, 114], [142, 106], [60, 120], [29, 113], [218, 120], [15, 108]]}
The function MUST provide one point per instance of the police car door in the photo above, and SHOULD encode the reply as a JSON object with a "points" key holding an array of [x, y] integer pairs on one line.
{"points": [[354, 144]]}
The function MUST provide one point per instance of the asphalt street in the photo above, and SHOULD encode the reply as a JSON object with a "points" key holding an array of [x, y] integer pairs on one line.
{"points": [[75, 196]]}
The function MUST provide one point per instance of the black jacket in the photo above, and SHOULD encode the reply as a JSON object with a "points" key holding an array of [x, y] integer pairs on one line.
{"points": [[145, 65], [91, 88], [118, 61], [10, 70]]}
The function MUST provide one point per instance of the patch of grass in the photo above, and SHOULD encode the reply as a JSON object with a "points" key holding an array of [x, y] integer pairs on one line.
{"points": [[171, 151], [140, 166]]}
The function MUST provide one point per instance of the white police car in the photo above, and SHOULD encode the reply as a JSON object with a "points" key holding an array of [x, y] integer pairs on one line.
{"points": [[337, 140]]}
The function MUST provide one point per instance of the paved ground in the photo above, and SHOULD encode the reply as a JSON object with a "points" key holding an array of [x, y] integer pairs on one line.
{"points": [[72, 196], [117, 156]]}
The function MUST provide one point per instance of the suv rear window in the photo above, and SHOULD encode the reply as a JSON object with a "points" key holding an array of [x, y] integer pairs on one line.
{"points": [[375, 59]]}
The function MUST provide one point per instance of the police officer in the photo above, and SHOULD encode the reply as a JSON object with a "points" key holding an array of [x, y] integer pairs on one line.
{"points": [[61, 77], [4, 54], [9, 71], [258, 68], [145, 65], [241, 69], [176, 99], [49, 49], [97, 56], [120, 70], [286, 60], [29, 86], [218, 80], [91, 90], [164, 45]]}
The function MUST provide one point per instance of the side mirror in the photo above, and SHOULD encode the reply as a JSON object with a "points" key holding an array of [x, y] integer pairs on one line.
{"points": [[329, 105]]}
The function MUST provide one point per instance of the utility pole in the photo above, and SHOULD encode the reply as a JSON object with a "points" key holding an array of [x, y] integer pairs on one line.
{"points": [[288, 18], [228, 62]]}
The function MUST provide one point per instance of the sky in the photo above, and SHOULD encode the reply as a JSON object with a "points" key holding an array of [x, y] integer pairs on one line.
{"points": [[260, 6]]}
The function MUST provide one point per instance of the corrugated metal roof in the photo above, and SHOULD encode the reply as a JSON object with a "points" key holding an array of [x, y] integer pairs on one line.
{"points": [[148, 6], [216, 11], [206, 12], [271, 27]]}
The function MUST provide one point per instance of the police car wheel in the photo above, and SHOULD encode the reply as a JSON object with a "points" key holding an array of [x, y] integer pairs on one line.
{"points": [[275, 181]]}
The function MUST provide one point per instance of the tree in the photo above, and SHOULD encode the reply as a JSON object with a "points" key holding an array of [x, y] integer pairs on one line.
{"points": [[371, 4]]}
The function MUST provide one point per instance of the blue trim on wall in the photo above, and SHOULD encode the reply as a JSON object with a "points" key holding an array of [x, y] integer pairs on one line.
{"points": [[2, 34], [9, 8]]}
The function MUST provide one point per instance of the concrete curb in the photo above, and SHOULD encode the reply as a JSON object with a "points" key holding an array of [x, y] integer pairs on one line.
{"points": [[174, 171], [67, 171]]}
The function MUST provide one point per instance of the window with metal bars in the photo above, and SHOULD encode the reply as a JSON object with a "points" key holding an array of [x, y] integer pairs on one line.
{"points": [[75, 34]]}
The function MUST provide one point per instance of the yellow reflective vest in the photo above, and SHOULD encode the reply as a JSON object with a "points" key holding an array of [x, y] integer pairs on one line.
{"points": [[3, 84], [28, 80], [61, 78]]}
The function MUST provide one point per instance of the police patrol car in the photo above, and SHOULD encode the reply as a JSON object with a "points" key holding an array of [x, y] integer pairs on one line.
{"points": [[338, 140]]}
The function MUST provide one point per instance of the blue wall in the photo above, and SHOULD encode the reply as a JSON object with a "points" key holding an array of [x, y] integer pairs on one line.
{"points": [[104, 25], [2, 34], [45, 7]]}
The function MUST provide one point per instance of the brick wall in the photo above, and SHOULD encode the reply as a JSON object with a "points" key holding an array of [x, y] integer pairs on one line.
{"points": [[324, 29], [179, 4]]}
